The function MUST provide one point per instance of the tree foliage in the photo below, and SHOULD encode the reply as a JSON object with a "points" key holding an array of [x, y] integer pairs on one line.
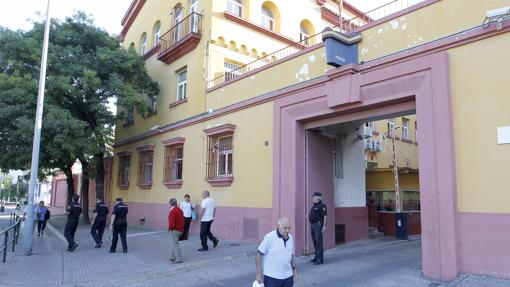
{"points": [[87, 70]]}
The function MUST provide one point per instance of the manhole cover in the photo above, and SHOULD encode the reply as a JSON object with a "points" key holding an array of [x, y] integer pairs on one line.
{"points": [[234, 244]]}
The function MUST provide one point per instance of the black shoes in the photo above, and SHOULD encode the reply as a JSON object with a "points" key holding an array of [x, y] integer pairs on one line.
{"points": [[215, 243], [203, 249], [318, 262], [73, 248], [98, 246], [125, 251], [112, 251], [313, 260]]}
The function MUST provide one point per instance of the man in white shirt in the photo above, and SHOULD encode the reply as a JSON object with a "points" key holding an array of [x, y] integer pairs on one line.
{"points": [[186, 207], [275, 257], [207, 213]]}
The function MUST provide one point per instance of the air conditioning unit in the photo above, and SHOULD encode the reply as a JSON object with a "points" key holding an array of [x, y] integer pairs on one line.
{"points": [[368, 144], [367, 132], [376, 146]]}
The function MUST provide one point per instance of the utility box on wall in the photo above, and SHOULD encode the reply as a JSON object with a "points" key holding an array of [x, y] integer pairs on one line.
{"points": [[341, 49]]}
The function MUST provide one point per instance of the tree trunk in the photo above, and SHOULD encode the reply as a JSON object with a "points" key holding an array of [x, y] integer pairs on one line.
{"points": [[70, 184], [85, 191], [100, 176]]}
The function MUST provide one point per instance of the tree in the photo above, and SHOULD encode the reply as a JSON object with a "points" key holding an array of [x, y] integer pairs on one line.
{"points": [[87, 69]]}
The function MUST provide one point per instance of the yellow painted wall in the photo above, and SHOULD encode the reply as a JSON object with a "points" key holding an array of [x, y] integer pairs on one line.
{"points": [[383, 181], [479, 86], [407, 153], [302, 68], [165, 74], [424, 25], [252, 167]]}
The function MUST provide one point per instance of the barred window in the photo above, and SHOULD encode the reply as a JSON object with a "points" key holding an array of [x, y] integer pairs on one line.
{"points": [[173, 163], [145, 167], [220, 156], [124, 170]]}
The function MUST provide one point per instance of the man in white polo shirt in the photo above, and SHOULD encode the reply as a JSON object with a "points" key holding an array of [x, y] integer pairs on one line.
{"points": [[208, 211], [276, 253]]}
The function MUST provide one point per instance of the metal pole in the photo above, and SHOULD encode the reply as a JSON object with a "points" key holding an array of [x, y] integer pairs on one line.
{"points": [[340, 8], [395, 173], [30, 221], [5, 245]]}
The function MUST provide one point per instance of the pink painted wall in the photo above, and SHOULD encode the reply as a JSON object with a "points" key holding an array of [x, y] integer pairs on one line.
{"points": [[355, 220], [484, 243], [232, 223]]}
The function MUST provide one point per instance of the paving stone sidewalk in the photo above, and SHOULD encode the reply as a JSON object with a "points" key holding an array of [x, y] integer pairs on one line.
{"points": [[52, 265]]}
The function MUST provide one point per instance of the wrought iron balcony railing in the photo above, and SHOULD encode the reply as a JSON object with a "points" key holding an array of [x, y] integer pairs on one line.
{"points": [[181, 38]]}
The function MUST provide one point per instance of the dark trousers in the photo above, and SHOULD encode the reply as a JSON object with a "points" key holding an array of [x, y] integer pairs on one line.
{"points": [[69, 231], [119, 228], [273, 282], [316, 230], [205, 232], [41, 224], [97, 230], [187, 223]]}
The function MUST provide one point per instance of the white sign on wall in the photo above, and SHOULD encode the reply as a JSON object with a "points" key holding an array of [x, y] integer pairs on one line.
{"points": [[504, 135]]}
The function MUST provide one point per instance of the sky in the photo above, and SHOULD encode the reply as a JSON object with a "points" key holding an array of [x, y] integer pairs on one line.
{"points": [[15, 14]]}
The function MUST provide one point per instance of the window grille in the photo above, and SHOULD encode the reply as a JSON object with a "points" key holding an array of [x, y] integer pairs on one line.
{"points": [[231, 70], [220, 156], [173, 163], [145, 164], [124, 170]]}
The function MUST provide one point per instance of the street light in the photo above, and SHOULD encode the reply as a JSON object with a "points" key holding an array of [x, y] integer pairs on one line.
{"points": [[30, 222], [401, 220]]}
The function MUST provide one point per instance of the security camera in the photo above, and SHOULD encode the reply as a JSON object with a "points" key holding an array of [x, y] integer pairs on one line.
{"points": [[500, 12]]}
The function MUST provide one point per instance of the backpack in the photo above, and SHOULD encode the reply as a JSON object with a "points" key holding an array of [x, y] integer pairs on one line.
{"points": [[47, 214]]}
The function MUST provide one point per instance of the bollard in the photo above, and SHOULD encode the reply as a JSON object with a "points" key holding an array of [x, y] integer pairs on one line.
{"points": [[14, 238], [5, 245]]}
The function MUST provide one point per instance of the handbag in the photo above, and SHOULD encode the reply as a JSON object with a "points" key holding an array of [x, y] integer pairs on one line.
{"points": [[193, 215]]}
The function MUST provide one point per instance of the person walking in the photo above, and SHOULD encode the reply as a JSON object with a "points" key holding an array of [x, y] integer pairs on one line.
{"points": [[119, 225], [99, 222], [318, 216], [73, 216], [187, 207], [207, 212], [175, 229], [41, 218], [274, 261]]}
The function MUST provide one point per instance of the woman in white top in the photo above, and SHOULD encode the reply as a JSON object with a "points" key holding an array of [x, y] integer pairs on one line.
{"points": [[187, 208]]}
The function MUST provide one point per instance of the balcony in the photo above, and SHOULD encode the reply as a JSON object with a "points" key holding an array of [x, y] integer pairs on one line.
{"points": [[181, 39]]}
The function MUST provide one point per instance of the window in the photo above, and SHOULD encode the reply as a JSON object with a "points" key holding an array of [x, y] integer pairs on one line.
{"points": [[124, 169], [405, 128], [415, 131], [235, 7], [157, 34], [181, 85], [391, 127], [178, 24], [231, 70], [153, 103], [220, 155], [304, 36], [145, 165], [173, 168], [193, 10], [143, 44], [173, 163], [267, 20], [130, 116]]}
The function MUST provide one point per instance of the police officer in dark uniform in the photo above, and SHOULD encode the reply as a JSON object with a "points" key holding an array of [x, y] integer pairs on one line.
{"points": [[317, 218], [99, 222], [119, 225], [73, 216]]}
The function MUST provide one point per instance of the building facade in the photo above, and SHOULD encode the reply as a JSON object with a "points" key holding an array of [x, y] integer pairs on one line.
{"points": [[260, 135]]}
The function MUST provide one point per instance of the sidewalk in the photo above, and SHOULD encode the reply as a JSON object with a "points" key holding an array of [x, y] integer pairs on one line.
{"points": [[52, 265], [378, 262]]}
